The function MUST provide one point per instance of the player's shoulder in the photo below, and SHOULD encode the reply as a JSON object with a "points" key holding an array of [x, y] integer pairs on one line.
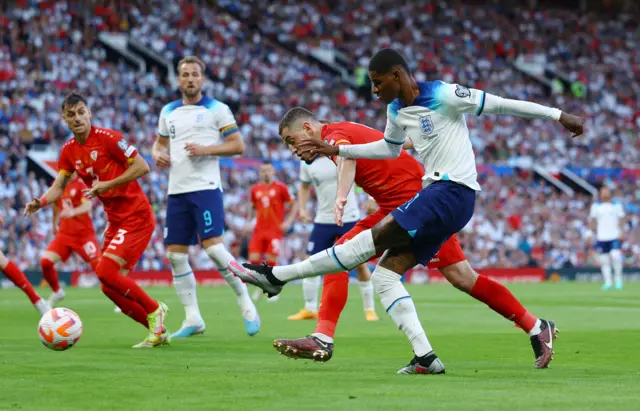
{"points": [[170, 107], [106, 133], [428, 97]]}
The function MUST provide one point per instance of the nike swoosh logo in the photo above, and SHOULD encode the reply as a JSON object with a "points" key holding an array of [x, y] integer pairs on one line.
{"points": [[208, 229], [549, 345]]}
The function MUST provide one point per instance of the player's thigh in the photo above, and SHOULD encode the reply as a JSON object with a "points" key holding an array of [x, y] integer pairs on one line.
{"points": [[449, 254], [398, 259], [128, 241], [208, 213], [323, 236], [87, 248], [61, 247], [258, 245], [180, 226], [4, 261]]}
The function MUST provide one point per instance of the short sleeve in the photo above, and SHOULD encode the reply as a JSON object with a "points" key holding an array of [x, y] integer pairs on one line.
{"points": [[337, 139], [225, 121], [460, 99], [304, 173], [119, 148], [393, 133], [286, 195], [163, 129], [65, 163]]}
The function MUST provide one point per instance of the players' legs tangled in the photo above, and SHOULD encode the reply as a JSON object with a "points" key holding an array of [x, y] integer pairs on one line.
{"points": [[17, 277]]}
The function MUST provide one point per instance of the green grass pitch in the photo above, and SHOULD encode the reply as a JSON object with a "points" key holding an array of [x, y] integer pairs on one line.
{"points": [[489, 362]]}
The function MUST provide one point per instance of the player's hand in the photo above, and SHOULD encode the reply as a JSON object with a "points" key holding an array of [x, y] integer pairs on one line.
{"points": [[161, 158], [32, 207], [338, 210], [305, 216], [370, 206], [572, 123], [97, 188], [194, 150], [285, 226], [310, 148], [67, 213]]}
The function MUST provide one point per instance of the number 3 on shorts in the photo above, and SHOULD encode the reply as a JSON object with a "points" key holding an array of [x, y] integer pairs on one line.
{"points": [[118, 239]]}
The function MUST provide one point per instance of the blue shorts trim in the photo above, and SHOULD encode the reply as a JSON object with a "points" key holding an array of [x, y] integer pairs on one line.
{"points": [[436, 213], [193, 216], [605, 247], [324, 236]]}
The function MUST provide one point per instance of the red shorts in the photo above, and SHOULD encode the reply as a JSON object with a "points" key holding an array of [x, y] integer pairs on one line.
{"points": [[85, 247], [129, 239], [450, 252], [265, 244]]}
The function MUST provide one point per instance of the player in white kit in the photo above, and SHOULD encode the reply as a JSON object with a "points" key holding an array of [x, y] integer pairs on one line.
{"points": [[431, 114], [192, 133], [321, 174], [607, 221]]}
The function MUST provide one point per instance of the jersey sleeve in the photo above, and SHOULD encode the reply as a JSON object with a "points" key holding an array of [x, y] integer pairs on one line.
{"points": [[65, 163], [393, 133], [119, 148], [225, 121], [459, 99], [593, 212], [163, 129], [304, 173], [286, 195], [620, 210]]}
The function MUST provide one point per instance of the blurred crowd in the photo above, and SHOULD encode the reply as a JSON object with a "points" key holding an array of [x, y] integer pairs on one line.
{"points": [[50, 47]]}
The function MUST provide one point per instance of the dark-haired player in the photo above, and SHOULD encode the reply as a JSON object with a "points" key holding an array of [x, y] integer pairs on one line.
{"points": [[110, 166], [431, 114]]}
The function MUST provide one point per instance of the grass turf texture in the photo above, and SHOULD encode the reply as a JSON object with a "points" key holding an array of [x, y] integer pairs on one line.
{"points": [[489, 362]]}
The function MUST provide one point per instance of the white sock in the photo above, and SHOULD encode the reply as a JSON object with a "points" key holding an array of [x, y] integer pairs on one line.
{"points": [[310, 288], [323, 337], [605, 266], [340, 258], [185, 283], [616, 257], [536, 329], [366, 289], [221, 257], [398, 303]]}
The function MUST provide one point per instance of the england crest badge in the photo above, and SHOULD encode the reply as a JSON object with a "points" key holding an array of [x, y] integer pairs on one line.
{"points": [[426, 125]]}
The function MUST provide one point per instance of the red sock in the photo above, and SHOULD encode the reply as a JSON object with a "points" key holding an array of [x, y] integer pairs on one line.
{"points": [[272, 263], [17, 277], [108, 271], [94, 264], [256, 262], [335, 291], [501, 300], [128, 307], [50, 274]]}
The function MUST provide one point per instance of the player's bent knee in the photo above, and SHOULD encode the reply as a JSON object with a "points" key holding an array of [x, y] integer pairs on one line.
{"points": [[107, 269], [460, 275], [384, 279], [46, 263], [176, 259], [211, 242], [177, 248]]}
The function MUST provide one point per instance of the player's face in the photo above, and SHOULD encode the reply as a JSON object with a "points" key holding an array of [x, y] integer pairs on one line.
{"points": [[190, 79], [292, 138], [78, 118], [266, 173], [605, 194], [385, 86]]}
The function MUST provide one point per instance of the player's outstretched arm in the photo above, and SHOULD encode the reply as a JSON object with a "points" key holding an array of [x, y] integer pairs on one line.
{"points": [[160, 152], [346, 177], [84, 208], [50, 196]]}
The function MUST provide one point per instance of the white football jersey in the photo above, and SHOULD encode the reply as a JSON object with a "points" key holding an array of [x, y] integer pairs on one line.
{"points": [[436, 125], [323, 175], [607, 216], [206, 123]]}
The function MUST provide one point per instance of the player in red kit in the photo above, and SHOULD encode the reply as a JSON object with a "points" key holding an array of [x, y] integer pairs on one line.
{"points": [[74, 232], [391, 183], [110, 166], [17, 277], [270, 199]]}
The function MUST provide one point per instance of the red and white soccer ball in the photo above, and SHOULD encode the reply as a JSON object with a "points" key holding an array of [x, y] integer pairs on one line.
{"points": [[60, 329]]}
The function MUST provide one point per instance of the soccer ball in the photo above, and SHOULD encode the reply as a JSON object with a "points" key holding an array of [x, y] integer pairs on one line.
{"points": [[60, 329]]}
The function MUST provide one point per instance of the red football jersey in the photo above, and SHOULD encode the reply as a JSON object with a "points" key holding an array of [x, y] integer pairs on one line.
{"points": [[269, 201], [385, 180], [73, 196], [104, 156]]}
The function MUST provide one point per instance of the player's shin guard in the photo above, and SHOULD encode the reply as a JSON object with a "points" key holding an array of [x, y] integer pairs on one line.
{"points": [[341, 257], [605, 266], [335, 292], [310, 293], [398, 303], [617, 260], [128, 306], [501, 300], [184, 282], [108, 272], [18, 278], [50, 274]]}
